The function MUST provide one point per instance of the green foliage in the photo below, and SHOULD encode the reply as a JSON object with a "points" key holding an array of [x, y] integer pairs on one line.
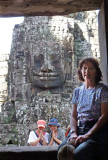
{"points": [[6, 120], [14, 130]]}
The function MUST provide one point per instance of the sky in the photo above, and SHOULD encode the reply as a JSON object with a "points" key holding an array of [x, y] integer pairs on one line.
{"points": [[6, 29]]}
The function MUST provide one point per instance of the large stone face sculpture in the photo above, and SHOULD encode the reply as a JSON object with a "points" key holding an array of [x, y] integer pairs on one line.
{"points": [[41, 59]]}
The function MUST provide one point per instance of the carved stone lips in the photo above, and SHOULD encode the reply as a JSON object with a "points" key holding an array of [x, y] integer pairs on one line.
{"points": [[45, 74], [48, 76]]}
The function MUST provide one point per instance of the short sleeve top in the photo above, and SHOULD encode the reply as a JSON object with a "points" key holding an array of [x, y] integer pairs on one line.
{"points": [[89, 101], [33, 137]]}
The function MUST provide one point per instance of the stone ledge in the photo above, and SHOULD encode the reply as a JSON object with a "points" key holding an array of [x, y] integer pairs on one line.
{"points": [[28, 153]]}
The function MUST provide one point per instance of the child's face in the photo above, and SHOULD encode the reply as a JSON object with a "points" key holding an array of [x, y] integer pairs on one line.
{"points": [[41, 128], [53, 128]]}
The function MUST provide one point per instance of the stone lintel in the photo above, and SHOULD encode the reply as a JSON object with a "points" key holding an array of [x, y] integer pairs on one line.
{"points": [[10, 8]]}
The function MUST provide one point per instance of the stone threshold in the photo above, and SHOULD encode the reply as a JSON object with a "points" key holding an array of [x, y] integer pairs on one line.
{"points": [[29, 153]]}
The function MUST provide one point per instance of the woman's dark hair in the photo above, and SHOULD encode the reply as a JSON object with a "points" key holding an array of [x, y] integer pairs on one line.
{"points": [[96, 66]]}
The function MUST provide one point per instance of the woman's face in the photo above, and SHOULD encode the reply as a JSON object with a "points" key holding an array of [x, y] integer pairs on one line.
{"points": [[53, 128], [88, 71]]}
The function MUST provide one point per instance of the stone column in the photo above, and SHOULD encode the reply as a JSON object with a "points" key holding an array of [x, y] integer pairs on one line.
{"points": [[103, 40]]}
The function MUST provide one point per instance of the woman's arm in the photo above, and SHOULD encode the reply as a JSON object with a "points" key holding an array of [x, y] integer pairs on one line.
{"points": [[73, 123], [73, 118], [98, 125], [101, 121]]}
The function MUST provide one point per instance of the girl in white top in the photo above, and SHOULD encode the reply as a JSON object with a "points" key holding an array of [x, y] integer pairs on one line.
{"points": [[38, 137]]}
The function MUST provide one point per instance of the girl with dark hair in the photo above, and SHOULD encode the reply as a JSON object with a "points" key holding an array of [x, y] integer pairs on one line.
{"points": [[57, 135]]}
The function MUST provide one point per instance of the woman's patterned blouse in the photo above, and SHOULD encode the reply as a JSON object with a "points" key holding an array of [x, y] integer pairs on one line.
{"points": [[89, 101]]}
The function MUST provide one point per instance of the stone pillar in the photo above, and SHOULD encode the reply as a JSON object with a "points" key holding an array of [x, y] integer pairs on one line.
{"points": [[103, 40]]}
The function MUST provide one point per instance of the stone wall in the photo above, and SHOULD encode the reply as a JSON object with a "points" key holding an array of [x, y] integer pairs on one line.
{"points": [[43, 71]]}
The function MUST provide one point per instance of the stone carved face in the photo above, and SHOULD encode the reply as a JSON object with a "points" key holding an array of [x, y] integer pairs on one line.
{"points": [[48, 71]]}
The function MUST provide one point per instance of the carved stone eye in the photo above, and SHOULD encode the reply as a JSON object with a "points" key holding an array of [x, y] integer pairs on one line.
{"points": [[57, 64]]}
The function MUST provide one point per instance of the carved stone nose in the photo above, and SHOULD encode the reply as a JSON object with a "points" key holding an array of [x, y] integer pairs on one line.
{"points": [[46, 68]]}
